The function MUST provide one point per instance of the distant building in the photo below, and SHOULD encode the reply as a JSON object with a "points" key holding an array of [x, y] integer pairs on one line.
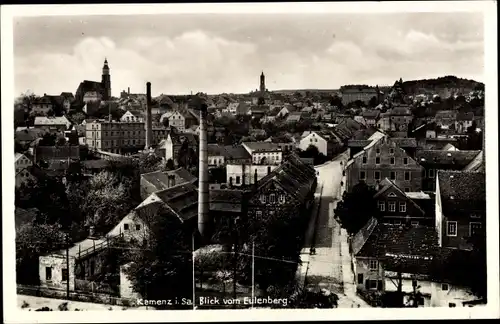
{"points": [[463, 122], [160, 180], [182, 120], [327, 142], [52, 124], [353, 94], [23, 167], [264, 152], [132, 116], [41, 105], [90, 90]]}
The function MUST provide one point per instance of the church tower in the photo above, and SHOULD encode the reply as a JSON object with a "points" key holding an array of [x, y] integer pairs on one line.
{"points": [[262, 84], [106, 81]]}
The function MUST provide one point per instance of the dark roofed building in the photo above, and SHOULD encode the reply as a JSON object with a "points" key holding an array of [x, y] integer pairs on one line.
{"points": [[52, 153], [433, 160], [237, 154], [460, 207], [160, 180]]}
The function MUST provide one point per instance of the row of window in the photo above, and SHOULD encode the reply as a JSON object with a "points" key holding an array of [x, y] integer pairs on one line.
{"points": [[23, 161], [272, 198], [48, 274], [392, 206], [377, 175], [452, 230], [377, 160], [126, 227]]}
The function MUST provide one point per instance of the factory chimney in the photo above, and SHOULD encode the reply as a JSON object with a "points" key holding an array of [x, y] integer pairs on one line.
{"points": [[149, 126], [203, 204], [128, 91]]}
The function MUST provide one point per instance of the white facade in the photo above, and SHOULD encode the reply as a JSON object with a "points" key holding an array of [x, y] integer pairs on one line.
{"points": [[22, 165], [129, 117], [177, 120], [169, 149], [91, 96], [447, 295], [314, 139], [216, 160], [240, 173]]}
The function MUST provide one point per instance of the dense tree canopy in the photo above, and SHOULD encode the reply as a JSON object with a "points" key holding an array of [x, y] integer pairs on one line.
{"points": [[356, 207]]}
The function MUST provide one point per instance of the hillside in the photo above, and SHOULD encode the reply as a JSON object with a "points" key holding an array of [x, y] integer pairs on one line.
{"points": [[449, 82]]}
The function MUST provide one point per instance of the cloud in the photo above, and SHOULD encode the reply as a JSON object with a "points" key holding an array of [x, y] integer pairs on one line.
{"points": [[229, 54]]}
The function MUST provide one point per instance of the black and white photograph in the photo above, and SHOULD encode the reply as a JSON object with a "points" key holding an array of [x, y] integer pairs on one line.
{"points": [[259, 157]]}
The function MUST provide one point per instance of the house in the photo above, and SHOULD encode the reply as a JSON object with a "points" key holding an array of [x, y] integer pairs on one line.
{"points": [[294, 117], [383, 158], [264, 153], [132, 116], [287, 142], [370, 117], [259, 111], [175, 141], [288, 109], [346, 128], [23, 167], [460, 207], [446, 118], [400, 118], [400, 208], [160, 180], [288, 189], [52, 124], [182, 120], [41, 105], [238, 108], [327, 142], [216, 155], [463, 122], [434, 160]]}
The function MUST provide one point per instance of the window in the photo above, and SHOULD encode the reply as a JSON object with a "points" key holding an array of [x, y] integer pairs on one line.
{"points": [[407, 176], [137, 227], [431, 173], [282, 198], [364, 159], [372, 284], [393, 175], [414, 223], [258, 213], [48, 273], [378, 150], [362, 175], [377, 175], [407, 189], [475, 216], [451, 228], [126, 227], [360, 278], [381, 205], [92, 267], [272, 198], [402, 207], [237, 179], [373, 264], [392, 206], [474, 228], [263, 199], [405, 160], [452, 305], [64, 274], [393, 160], [391, 151], [377, 160]]}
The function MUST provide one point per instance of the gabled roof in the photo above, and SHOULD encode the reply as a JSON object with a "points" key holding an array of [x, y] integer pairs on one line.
{"points": [[405, 142], [386, 184], [262, 146], [40, 120], [236, 152]]}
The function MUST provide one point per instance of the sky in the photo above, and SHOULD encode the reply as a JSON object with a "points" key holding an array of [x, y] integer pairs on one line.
{"points": [[216, 53]]}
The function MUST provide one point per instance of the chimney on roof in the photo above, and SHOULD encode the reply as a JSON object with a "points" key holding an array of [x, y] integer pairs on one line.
{"points": [[149, 126]]}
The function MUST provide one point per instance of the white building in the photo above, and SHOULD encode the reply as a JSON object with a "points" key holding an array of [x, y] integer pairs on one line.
{"points": [[91, 96], [23, 166], [131, 117], [264, 152]]}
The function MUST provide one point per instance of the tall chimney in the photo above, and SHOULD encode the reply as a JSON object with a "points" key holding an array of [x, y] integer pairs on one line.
{"points": [[149, 126], [128, 91], [203, 204]]}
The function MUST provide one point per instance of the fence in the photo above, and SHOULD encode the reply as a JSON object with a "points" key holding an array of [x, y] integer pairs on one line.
{"points": [[95, 287]]}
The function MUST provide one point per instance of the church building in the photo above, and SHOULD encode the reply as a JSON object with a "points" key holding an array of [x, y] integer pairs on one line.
{"points": [[102, 89]]}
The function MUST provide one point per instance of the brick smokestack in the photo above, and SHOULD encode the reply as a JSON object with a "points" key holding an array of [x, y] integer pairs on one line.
{"points": [[203, 196], [149, 125]]}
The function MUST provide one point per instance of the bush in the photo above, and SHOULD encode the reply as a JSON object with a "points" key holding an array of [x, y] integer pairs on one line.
{"points": [[373, 298]]}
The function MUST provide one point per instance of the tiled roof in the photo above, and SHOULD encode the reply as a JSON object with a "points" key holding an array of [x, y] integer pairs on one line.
{"points": [[182, 199], [370, 113], [462, 185], [160, 181], [456, 158], [358, 143], [226, 200], [409, 247], [262, 146], [40, 120], [404, 142], [236, 152], [465, 116], [216, 150], [57, 152]]}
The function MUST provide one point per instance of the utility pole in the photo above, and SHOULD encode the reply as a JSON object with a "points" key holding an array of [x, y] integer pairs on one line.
{"points": [[253, 272], [67, 265]]}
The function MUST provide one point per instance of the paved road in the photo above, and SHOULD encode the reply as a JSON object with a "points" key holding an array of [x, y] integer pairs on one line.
{"points": [[330, 267]]}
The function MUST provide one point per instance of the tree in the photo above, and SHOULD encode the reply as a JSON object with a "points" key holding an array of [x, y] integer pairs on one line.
{"points": [[148, 162], [77, 117], [357, 207], [162, 267], [373, 102]]}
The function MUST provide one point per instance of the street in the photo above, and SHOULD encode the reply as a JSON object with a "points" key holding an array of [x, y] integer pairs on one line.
{"points": [[330, 267]]}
